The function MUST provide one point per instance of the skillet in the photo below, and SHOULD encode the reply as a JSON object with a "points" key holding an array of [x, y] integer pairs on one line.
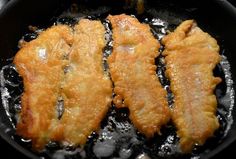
{"points": [[215, 16]]}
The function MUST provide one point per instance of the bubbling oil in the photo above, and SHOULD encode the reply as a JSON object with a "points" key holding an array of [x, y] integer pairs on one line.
{"points": [[118, 138]]}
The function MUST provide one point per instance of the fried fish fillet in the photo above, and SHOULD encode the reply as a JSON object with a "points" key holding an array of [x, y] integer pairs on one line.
{"points": [[191, 56], [40, 63], [67, 66], [133, 71], [87, 89]]}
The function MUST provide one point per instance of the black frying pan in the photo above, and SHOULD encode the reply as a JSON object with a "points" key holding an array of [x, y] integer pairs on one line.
{"points": [[215, 16]]}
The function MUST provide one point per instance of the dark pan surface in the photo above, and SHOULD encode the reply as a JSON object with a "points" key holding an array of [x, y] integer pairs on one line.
{"points": [[162, 16]]}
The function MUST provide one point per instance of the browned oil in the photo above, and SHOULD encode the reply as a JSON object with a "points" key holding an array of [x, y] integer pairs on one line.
{"points": [[117, 137]]}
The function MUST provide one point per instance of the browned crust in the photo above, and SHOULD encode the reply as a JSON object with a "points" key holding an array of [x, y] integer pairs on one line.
{"points": [[85, 88], [41, 77], [191, 56], [133, 69]]}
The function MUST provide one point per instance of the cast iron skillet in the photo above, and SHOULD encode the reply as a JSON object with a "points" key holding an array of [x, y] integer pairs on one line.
{"points": [[215, 16]]}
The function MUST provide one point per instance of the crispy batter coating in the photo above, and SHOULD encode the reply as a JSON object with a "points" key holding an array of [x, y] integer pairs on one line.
{"points": [[67, 66], [191, 56], [40, 63], [87, 90], [132, 68]]}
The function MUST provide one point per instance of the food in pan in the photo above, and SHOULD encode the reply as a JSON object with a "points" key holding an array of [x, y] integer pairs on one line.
{"points": [[67, 93], [62, 68], [190, 56], [40, 63], [86, 88], [133, 71]]}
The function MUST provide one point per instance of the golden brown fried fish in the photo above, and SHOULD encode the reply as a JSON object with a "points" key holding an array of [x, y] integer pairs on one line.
{"points": [[132, 68], [87, 90], [67, 66], [40, 63], [191, 56]]}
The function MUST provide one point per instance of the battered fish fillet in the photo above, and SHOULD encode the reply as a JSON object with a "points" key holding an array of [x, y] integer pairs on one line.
{"points": [[191, 56], [66, 66], [87, 89], [40, 63], [133, 71]]}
